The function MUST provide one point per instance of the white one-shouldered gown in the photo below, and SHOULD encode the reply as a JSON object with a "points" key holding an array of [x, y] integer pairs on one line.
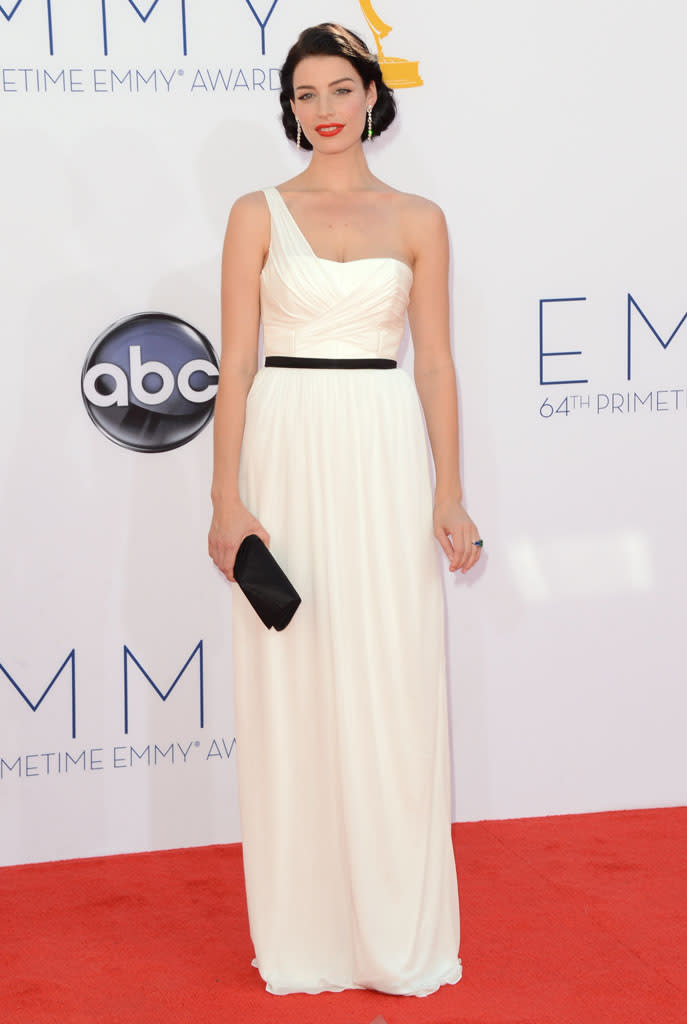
{"points": [[341, 720]]}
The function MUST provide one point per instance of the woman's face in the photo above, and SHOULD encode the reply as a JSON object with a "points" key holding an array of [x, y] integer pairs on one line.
{"points": [[331, 102]]}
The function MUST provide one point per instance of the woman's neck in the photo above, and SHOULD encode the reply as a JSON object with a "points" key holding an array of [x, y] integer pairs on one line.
{"points": [[338, 172]]}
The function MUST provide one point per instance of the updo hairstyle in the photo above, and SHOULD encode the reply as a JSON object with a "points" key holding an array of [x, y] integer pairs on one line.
{"points": [[333, 40]]}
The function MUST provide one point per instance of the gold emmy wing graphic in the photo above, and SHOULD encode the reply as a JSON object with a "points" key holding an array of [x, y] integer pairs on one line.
{"points": [[398, 73]]}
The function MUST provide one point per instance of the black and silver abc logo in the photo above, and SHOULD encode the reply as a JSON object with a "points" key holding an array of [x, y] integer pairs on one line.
{"points": [[149, 382]]}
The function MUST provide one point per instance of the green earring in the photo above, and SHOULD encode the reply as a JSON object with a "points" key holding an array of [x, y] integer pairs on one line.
{"points": [[369, 123]]}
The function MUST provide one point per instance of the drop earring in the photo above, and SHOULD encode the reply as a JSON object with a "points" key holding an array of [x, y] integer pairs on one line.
{"points": [[298, 134], [369, 123]]}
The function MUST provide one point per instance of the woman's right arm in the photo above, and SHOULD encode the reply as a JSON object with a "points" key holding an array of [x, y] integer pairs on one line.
{"points": [[243, 255]]}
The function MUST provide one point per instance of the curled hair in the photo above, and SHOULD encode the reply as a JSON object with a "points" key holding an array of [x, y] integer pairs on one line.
{"points": [[332, 40]]}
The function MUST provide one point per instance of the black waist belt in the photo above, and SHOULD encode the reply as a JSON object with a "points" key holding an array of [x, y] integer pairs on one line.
{"points": [[340, 364]]}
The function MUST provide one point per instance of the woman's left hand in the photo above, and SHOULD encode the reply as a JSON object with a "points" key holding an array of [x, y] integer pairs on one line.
{"points": [[456, 532]]}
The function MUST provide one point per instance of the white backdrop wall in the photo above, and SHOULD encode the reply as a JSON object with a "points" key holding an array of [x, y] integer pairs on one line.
{"points": [[552, 138]]}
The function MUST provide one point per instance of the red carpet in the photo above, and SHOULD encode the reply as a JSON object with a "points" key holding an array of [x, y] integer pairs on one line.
{"points": [[572, 919]]}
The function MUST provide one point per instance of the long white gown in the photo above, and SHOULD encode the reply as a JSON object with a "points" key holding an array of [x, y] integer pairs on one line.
{"points": [[341, 718]]}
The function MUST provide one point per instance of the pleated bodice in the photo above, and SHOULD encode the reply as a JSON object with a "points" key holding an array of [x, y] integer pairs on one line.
{"points": [[312, 306]]}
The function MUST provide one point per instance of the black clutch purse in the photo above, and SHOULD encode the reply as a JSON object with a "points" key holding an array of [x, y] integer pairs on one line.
{"points": [[265, 583]]}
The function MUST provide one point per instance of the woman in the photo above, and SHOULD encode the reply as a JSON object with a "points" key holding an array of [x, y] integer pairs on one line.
{"points": [[341, 720]]}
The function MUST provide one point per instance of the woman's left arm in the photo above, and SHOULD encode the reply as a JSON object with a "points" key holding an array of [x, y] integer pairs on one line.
{"points": [[435, 379]]}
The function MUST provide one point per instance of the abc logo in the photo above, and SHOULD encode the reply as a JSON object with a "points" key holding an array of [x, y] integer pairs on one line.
{"points": [[149, 382]]}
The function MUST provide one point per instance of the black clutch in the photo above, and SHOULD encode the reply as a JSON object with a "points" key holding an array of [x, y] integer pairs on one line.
{"points": [[265, 583]]}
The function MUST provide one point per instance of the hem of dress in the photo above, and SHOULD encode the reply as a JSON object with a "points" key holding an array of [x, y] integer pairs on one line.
{"points": [[450, 977]]}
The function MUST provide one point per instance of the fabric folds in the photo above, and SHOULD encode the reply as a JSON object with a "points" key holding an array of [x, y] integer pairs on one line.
{"points": [[341, 718]]}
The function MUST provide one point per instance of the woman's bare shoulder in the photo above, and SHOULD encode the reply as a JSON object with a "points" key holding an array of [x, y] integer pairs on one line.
{"points": [[422, 224], [419, 212], [250, 204], [249, 215]]}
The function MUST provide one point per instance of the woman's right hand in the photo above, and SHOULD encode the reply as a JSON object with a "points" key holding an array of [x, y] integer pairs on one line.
{"points": [[228, 528]]}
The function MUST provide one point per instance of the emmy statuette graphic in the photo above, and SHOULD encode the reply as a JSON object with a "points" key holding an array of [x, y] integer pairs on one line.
{"points": [[398, 73]]}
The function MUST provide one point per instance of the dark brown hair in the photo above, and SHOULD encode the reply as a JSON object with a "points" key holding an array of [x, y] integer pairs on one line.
{"points": [[333, 40]]}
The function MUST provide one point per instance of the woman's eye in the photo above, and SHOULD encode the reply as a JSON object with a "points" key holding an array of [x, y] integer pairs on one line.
{"points": [[308, 95]]}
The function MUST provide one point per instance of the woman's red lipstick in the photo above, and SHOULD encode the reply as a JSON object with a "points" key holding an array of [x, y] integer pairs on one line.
{"points": [[328, 129]]}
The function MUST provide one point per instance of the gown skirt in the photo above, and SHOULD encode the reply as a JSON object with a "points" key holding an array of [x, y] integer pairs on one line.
{"points": [[341, 720]]}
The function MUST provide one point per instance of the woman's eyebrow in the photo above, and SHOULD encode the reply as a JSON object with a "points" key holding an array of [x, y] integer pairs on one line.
{"points": [[336, 82]]}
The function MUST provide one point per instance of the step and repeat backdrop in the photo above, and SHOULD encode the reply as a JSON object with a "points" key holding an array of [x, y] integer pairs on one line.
{"points": [[552, 136]]}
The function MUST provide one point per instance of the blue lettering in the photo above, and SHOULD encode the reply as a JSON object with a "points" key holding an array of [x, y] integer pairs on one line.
{"points": [[49, 80], [630, 304], [199, 82], [545, 355], [144, 19], [215, 750], [167, 81], [241, 82], [114, 77], [233, 744], [262, 24], [226, 82], [140, 77], [184, 753], [9, 15], [143, 756], [69, 660], [98, 85], [75, 761], [129, 656], [75, 84], [5, 766]]}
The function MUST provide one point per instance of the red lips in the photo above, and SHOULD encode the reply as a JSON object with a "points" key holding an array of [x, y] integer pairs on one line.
{"points": [[327, 130]]}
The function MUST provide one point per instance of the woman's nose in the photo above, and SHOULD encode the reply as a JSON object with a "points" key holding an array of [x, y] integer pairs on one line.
{"points": [[324, 105]]}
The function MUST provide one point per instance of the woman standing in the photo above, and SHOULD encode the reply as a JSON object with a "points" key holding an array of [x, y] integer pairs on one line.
{"points": [[341, 718]]}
